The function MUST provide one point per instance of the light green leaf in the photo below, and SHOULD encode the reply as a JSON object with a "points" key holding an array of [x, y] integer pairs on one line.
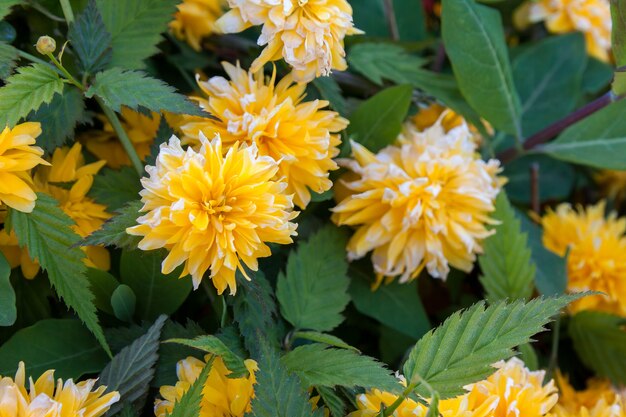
{"points": [[312, 294], [598, 140], [390, 107], [462, 350], [131, 370], [189, 404], [47, 234], [475, 44], [5, 6], [507, 269], [117, 88], [113, 231], [600, 341], [64, 345], [8, 308], [213, 345], [618, 32], [27, 90], [8, 59], [123, 302], [316, 364], [116, 188], [136, 28], [89, 38]]}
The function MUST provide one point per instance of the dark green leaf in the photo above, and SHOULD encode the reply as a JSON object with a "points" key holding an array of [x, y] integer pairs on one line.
{"points": [[329, 90], [8, 309], [170, 354], [102, 285], [164, 133], [597, 76], [556, 179], [115, 189], [89, 38], [213, 345], [123, 302], [8, 60], [113, 231], [332, 401]]}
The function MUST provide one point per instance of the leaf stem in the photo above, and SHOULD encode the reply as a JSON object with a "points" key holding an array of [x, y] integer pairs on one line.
{"points": [[65, 72], [391, 20], [67, 11], [121, 134], [397, 403], [33, 58], [554, 354], [38, 7]]}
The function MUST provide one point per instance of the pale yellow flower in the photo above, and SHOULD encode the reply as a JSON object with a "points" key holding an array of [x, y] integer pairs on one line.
{"points": [[196, 19], [299, 135], [591, 17], [105, 145], [308, 34], [17, 157], [423, 203], [221, 396], [428, 116], [47, 399], [596, 254], [17, 256], [213, 211], [599, 399]]}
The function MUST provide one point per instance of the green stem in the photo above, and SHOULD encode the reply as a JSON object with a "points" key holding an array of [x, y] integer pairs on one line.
{"points": [[224, 311], [45, 11], [397, 403], [67, 11], [33, 58], [121, 134], [554, 354], [65, 72]]}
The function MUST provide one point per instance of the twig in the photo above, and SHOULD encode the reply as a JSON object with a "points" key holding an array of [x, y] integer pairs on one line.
{"points": [[534, 188], [391, 20]]}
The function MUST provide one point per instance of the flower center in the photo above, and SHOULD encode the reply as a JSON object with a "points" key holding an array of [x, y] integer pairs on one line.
{"points": [[217, 206]]}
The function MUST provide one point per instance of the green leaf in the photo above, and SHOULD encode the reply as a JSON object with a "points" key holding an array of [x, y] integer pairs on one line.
{"points": [[328, 339], [475, 44], [113, 231], [135, 27], [332, 401], [102, 284], [59, 118], [89, 38], [115, 189], [131, 370], [47, 234], [5, 6], [462, 350], [163, 135], [597, 76], [117, 88], [598, 140], [600, 341], [396, 305], [548, 77], [330, 90], [8, 60], [8, 308], [170, 354], [213, 345], [156, 293], [64, 345], [27, 90], [507, 269], [312, 294], [556, 179], [618, 31], [529, 356], [316, 364], [189, 404], [390, 107], [123, 302], [278, 393]]}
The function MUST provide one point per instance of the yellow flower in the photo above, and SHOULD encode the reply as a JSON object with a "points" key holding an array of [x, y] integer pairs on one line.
{"points": [[17, 256], [213, 211], [591, 17], [299, 135], [308, 34], [17, 157], [195, 20], [599, 399], [613, 184], [45, 399], [105, 144], [428, 116], [69, 180], [424, 202], [221, 396], [596, 254]]}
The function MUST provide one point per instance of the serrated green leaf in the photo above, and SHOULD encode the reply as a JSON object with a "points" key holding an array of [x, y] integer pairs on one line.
{"points": [[136, 28], [462, 350], [189, 404], [328, 339], [116, 188], [123, 302], [5, 6], [163, 135], [90, 39], [8, 59], [475, 44], [113, 231], [170, 354], [507, 269], [26, 91], [316, 364], [330, 90], [64, 345], [131, 370], [213, 345], [600, 341], [312, 294], [134, 89], [332, 401], [8, 308], [47, 234], [598, 140], [59, 118]]}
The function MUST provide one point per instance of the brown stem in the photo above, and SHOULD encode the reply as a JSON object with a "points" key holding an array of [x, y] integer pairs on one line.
{"points": [[534, 188], [440, 58], [391, 20]]}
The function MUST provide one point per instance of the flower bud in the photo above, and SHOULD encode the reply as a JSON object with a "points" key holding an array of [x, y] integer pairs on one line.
{"points": [[46, 45]]}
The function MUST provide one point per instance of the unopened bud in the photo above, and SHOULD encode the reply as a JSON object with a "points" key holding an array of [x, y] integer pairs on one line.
{"points": [[46, 45]]}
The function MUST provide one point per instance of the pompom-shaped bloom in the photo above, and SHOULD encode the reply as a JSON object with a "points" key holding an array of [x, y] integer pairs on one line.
{"points": [[17, 157], [196, 19], [47, 399], [299, 135], [213, 211], [428, 116], [591, 17], [596, 254], [105, 145], [599, 399], [422, 203], [221, 396], [308, 34]]}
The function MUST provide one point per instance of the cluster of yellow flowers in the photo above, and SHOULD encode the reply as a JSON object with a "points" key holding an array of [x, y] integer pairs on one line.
{"points": [[599, 399], [44, 398]]}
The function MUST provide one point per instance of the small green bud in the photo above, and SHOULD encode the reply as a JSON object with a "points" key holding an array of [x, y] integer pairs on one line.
{"points": [[46, 45]]}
